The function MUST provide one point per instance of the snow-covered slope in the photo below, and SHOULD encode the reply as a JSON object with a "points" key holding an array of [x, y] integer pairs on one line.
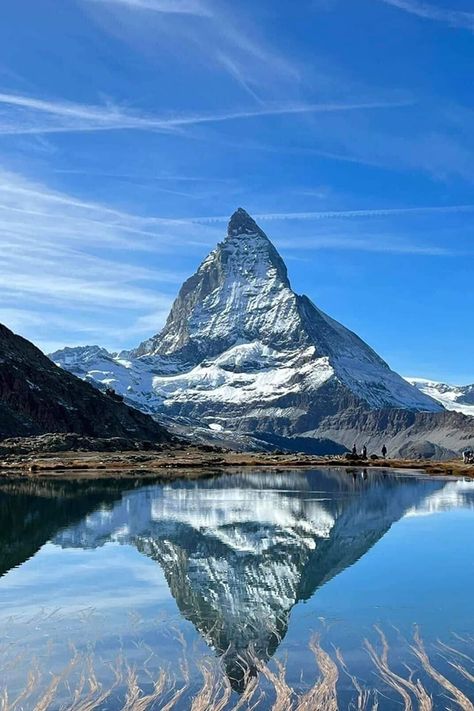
{"points": [[459, 398], [242, 352]]}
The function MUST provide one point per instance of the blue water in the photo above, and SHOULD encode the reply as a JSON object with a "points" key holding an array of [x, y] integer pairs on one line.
{"points": [[237, 566]]}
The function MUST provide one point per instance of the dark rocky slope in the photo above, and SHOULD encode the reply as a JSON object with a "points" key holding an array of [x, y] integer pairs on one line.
{"points": [[37, 397], [407, 434]]}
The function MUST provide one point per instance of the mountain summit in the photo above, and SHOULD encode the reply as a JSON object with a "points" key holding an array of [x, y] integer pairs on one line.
{"points": [[242, 355], [241, 223], [240, 293]]}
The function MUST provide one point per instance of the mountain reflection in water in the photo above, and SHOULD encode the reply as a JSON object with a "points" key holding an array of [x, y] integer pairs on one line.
{"points": [[238, 552]]}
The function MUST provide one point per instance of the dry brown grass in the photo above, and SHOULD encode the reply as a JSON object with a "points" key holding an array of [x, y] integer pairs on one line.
{"points": [[192, 463], [454, 693], [77, 688]]}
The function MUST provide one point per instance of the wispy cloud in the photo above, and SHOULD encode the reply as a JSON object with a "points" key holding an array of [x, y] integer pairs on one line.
{"points": [[63, 271], [173, 7], [212, 31], [349, 214], [42, 116], [240, 76], [32, 215], [379, 244], [145, 177], [441, 145], [454, 18]]}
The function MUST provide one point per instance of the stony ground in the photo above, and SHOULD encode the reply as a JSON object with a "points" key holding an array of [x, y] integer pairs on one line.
{"points": [[192, 462]]}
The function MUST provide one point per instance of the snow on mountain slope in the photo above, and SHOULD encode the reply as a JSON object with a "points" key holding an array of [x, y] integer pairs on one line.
{"points": [[459, 398], [240, 350]]}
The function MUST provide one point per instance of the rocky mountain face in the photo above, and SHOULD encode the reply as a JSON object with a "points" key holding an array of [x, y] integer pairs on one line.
{"points": [[38, 397], [459, 398], [245, 360]]}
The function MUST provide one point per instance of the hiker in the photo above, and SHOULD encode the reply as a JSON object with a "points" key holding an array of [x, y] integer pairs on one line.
{"points": [[468, 456], [364, 452], [354, 449], [384, 451]]}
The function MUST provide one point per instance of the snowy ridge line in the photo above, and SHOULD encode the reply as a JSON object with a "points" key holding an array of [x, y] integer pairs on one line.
{"points": [[459, 398]]}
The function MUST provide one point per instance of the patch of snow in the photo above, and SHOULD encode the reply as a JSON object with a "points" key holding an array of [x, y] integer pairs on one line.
{"points": [[216, 427]]}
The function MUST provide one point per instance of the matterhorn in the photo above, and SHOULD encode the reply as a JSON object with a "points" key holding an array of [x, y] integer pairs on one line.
{"points": [[245, 361]]}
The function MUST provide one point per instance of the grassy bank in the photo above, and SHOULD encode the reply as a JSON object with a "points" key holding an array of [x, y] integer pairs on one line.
{"points": [[194, 462]]}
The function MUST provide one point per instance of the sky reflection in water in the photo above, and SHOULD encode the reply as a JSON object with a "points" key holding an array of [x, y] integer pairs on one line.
{"points": [[254, 562]]}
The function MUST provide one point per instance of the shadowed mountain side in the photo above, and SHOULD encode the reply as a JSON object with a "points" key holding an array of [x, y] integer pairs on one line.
{"points": [[406, 434], [239, 553], [37, 397]]}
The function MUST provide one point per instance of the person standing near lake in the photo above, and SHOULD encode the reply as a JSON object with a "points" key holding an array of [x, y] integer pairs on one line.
{"points": [[384, 451], [364, 452]]}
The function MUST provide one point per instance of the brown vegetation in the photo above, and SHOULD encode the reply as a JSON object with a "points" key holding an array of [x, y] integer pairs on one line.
{"points": [[195, 462], [77, 687]]}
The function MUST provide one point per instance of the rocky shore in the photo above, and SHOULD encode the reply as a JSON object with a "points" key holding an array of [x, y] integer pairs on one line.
{"points": [[70, 456]]}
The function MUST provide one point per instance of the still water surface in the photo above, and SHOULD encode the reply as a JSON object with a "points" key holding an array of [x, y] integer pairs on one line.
{"points": [[235, 572]]}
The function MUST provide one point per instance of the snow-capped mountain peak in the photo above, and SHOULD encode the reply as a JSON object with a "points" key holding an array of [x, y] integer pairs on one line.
{"points": [[240, 293], [242, 351]]}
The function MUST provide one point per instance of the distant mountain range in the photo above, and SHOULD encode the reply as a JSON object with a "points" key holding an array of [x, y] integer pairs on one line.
{"points": [[37, 397], [459, 398], [246, 361]]}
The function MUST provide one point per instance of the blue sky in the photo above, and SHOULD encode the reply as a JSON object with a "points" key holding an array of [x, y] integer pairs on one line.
{"points": [[131, 129]]}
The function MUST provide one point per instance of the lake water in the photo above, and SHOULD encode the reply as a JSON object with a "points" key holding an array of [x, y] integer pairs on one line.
{"points": [[235, 586]]}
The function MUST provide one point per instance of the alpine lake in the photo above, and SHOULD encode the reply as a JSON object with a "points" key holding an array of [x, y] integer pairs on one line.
{"points": [[323, 589]]}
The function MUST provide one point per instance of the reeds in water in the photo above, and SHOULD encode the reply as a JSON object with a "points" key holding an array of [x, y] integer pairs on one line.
{"points": [[412, 687]]}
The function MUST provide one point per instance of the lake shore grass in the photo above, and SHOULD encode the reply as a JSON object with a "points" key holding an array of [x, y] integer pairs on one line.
{"points": [[193, 462], [417, 683]]}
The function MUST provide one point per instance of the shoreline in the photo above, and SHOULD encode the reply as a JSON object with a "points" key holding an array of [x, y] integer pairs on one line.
{"points": [[193, 463]]}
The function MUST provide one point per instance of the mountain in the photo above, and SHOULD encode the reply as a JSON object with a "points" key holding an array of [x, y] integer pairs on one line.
{"points": [[37, 397], [459, 398], [243, 356]]}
